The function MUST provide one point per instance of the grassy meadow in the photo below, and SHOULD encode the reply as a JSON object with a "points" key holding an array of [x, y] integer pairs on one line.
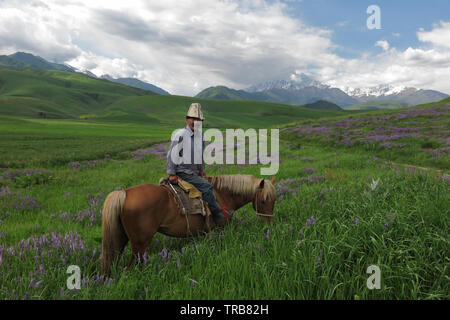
{"points": [[54, 117], [343, 204]]}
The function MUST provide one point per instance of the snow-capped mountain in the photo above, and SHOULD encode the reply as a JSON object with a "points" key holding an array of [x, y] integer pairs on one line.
{"points": [[296, 82], [412, 96], [301, 89], [377, 91], [89, 74]]}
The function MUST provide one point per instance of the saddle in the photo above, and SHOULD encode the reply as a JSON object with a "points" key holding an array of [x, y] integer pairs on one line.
{"points": [[188, 197]]}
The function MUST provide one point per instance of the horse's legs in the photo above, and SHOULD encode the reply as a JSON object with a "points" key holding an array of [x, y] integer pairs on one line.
{"points": [[121, 243], [139, 246]]}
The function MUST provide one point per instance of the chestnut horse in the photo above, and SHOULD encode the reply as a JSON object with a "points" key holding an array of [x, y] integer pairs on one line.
{"points": [[137, 213]]}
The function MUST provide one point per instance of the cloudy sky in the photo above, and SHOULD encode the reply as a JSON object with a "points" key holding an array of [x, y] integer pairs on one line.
{"points": [[184, 46]]}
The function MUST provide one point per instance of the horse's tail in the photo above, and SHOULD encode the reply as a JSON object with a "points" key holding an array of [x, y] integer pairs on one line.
{"points": [[112, 229]]}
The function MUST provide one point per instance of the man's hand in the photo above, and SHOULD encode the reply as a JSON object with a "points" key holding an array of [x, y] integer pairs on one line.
{"points": [[173, 179], [203, 174]]}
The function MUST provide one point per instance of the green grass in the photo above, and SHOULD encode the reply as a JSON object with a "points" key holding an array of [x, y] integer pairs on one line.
{"points": [[56, 93], [54, 117], [417, 135], [29, 142], [402, 228], [401, 225]]}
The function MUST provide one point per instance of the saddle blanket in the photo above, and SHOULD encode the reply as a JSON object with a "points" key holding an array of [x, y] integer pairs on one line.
{"points": [[188, 197]]}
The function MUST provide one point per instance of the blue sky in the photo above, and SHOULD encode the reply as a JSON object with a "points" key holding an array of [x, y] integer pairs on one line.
{"points": [[400, 21], [185, 46]]}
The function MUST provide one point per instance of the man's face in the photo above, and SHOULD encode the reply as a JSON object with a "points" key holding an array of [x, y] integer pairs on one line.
{"points": [[191, 121]]}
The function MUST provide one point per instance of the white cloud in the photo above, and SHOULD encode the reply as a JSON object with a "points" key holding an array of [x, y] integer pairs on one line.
{"points": [[425, 68], [182, 46], [32, 26], [383, 44], [186, 46], [439, 36]]}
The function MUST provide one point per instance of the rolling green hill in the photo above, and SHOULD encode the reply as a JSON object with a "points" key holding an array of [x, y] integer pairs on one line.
{"points": [[136, 83], [58, 117], [56, 94], [9, 62], [219, 114], [322, 105], [224, 93], [24, 60]]}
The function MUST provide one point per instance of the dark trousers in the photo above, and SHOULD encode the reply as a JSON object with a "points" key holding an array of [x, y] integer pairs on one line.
{"points": [[205, 187]]}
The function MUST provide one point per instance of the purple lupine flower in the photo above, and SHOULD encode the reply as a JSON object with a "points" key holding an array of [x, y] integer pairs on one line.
{"points": [[309, 170], [356, 221], [4, 191], [75, 165], [319, 257], [268, 234], [164, 253], [33, 284], [311, 221], [94, 202], [145, 258]]}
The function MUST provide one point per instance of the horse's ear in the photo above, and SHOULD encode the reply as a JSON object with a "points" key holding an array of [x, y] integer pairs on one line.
{"points": [[273, 179], [261, 184]]}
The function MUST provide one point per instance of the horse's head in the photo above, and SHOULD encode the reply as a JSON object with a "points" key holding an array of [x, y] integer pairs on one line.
{"points": [[264, 200]]}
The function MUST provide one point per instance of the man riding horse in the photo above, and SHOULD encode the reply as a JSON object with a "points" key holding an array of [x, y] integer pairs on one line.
{"points": [[137, 213], [192, 172]]}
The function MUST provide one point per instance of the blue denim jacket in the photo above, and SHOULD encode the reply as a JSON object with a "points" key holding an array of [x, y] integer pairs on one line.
{"points": [[188, 168]]}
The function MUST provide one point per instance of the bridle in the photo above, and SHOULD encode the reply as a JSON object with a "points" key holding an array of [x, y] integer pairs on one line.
{"points": [[256, 208]]}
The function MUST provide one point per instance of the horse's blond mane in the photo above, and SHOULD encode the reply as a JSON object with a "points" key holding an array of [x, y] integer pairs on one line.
{"points": [[244, 185]]}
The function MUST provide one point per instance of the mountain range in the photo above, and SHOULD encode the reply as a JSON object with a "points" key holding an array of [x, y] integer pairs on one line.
{"points": [[136, 83], [303, 90], [298, 90], [22, 60], [300, 96]]}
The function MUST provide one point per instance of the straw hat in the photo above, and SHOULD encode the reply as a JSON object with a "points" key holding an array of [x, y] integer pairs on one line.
{"points": [[195, 111]]}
